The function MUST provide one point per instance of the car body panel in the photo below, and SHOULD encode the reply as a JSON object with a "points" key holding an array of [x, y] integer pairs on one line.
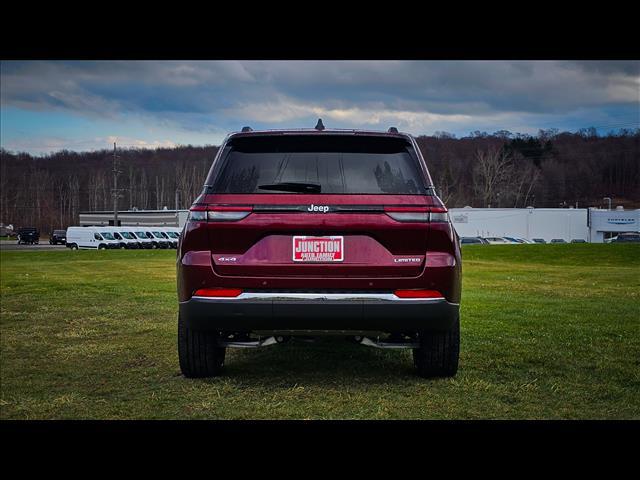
{"points": [[381, 254]]}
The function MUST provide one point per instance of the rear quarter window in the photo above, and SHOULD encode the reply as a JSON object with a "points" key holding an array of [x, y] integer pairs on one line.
{"points": [[338, 164]]}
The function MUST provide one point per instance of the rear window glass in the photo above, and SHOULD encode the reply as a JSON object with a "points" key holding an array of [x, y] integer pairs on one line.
{"points": [[338, 164]]}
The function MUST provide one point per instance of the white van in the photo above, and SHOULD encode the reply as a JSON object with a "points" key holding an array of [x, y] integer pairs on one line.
{"points": [[90, 238], [142, 237], [173, 233], [155, 236], [124, 236], [176, 230]]}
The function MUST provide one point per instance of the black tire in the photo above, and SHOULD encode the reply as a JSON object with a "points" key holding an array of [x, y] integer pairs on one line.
{"points": [[438, 353], [74, 246], [102, 247], [198, 354]]}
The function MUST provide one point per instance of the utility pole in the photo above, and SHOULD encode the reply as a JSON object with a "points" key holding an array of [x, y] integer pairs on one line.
{"points": [[178, 191], [115, 192]]}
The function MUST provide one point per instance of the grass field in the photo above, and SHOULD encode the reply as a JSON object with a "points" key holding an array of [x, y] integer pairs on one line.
{"points": [[548, 331]]}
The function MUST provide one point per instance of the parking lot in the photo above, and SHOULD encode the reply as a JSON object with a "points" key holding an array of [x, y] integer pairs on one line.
{"points": [[13, 245]]}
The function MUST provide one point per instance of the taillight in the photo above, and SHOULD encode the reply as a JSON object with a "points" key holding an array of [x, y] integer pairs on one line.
{"points": [[197, 214], [438, 215], [217, 292], [227, 214], [417, 214], [218, 213], [418, 294]]}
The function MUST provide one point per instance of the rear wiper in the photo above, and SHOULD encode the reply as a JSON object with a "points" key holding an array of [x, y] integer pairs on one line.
{"points": [[292, 187]]}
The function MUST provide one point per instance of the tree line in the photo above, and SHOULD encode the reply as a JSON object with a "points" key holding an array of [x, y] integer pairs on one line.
{"points": [[503, 169]]}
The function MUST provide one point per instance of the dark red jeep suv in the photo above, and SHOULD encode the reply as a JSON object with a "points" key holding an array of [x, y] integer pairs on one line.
{"points": [[318, 232]]}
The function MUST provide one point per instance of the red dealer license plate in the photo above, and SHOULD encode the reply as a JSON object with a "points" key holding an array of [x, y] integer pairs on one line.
{"points": [[318, 249]]}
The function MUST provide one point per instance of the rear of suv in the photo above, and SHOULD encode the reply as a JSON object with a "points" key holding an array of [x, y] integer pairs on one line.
{"points": [[58, 237], [316, 232]]}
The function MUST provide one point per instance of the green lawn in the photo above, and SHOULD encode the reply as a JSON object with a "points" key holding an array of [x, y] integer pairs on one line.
{"points": [[548, 331]]}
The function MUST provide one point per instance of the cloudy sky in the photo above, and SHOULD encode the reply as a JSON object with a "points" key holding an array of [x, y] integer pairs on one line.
{"points": [[80, 105]]}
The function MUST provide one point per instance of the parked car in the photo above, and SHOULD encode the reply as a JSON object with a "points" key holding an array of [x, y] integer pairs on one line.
{"points": [[515, 239], [7, 231], [498, 241], [539, 240], [58, 237], [558, 240], [627, 238], [578, 240], [305, 232], [28, 236], [97, 238], [472, 241]]}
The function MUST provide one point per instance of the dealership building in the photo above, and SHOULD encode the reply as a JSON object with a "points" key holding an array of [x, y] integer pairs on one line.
{"points": [[142, 218], [589, 224]]}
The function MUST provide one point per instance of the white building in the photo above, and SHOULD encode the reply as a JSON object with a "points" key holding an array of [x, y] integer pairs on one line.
{"points": [[602, 222], [143, 218], [587, 224]]}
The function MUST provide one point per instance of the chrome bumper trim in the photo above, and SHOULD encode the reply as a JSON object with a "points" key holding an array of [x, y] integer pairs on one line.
{"points": [[342, 297]]}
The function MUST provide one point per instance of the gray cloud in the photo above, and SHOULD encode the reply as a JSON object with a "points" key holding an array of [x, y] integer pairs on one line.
{"points": [[421, 94]]}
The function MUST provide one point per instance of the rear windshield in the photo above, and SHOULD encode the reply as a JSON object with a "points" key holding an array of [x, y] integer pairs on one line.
{"points": [[330, 164]]}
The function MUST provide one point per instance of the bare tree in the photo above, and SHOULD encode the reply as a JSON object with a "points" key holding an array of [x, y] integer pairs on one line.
{"points": [[492, 169], [143, 198]]}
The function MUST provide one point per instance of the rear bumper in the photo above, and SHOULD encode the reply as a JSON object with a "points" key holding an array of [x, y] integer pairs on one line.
{"points": [[306, 311]]}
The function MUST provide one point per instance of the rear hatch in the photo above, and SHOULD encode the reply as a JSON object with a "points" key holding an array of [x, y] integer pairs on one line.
{"points": [[318, 205]]}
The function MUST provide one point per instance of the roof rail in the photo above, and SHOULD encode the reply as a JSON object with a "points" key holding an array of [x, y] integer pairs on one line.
{"points": [[319, 125], [247, 129], [392, 130]]}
